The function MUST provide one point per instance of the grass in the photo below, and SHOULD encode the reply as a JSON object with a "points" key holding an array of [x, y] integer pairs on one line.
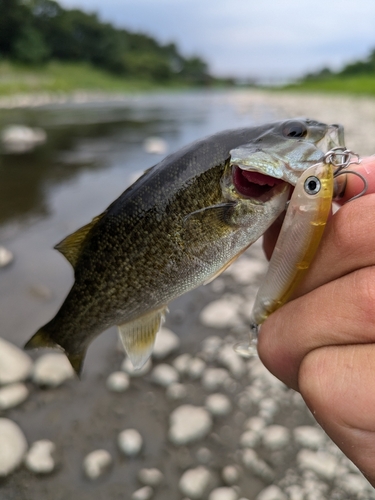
{"points": [[56, 77], [361, 85]]}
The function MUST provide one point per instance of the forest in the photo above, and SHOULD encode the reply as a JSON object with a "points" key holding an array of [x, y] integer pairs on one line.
{"points": [[36, 32]]}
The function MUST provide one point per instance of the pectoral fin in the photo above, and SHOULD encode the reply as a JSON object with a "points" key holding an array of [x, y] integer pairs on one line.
{"points": [[138, 336], [212, 216]]}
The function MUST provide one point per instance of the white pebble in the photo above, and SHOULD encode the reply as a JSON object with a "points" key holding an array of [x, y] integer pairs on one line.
{"points": [[212, 344], [218, 404], [128, 368], [309, 437], [249, 439], [15, 365], [13, 395], [323, 464], [52, 370], [232, 361], [97, 463], [255, 424], [196, 368], [6, 256], [13, 446], [164, 375], [150, 477], [194, 482], [189, 423], [214, 378], [254, 463], [176, 391], [39, 458], [144, 493], [353, 484], [272, 493], [155, 145], [230, 474], [181, 363], [166, 342], [130, 442], [118, 382], [246, 270], [222, 313], [223, 493], [275, 437]]}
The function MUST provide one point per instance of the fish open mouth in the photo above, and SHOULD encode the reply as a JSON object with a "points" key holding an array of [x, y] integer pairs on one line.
{"points": [[253, 184]]}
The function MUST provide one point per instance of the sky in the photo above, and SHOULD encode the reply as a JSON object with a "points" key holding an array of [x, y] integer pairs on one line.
{"points": [[270, 40]]}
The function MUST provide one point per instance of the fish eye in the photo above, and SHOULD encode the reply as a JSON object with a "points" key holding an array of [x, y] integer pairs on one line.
{"points": [[296, 130], [312, 185]]}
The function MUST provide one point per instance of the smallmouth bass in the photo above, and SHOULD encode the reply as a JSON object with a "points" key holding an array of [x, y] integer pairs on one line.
{"points": [[178, 226]]}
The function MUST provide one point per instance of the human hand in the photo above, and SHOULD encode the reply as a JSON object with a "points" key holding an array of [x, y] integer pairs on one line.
{"points": [[322, 343]]}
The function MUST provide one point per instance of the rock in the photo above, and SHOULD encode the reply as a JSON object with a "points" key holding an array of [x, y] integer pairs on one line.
{"points": [[181, 363], [323, 464], [232, 361], [249, 439], [12, 395], [272, 493], [258, 466], [223, 493], [13, 446], [21, 139], [189, 423], [194, 482], [214, 378], [230, 474], [309, 437], [268, 409], [52, 370], [218, 404], [144, 493], [246, 270], [212, 344], [118, 382], [196, 368], [176, 391], [166, 342], [164, 375], [41, 292], [275, 437], [128, 368], [150, 477], [6, 256], [204, 455], [15, 365], [39, 458], [97, 463], [353, 484], [130, 442], [155, 145], [255, 424], [222, 313]]}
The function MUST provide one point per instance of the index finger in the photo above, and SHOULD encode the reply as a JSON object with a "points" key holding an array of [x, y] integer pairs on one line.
{"points": [[355, 184]]}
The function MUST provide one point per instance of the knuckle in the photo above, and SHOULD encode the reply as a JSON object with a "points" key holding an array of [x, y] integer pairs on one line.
{"points": [[364, 291]]}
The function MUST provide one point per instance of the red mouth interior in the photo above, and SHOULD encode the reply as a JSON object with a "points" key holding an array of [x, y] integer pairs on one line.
{"points": [[253, 184]]}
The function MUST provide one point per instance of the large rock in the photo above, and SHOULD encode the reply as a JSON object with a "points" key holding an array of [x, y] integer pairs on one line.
{"points": [[52, 370], [15, 365], [12, 395], [39, 458], [194, 482], [189, 423], [164, 375], [223, 493], [13, 446], [166, 342]]}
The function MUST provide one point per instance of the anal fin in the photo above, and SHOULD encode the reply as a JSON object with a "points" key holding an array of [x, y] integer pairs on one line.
{"points": [[138, 336]]}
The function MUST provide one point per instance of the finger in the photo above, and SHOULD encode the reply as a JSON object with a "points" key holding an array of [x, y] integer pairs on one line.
{"points": [[338, 386], [355, 184], [341, 312]]}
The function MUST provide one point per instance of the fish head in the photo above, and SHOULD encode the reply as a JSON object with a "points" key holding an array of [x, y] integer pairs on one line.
{"points": [[279, 155]]}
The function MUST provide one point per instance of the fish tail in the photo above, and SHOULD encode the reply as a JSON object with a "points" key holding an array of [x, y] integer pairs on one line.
{"points": [[42, 338]]}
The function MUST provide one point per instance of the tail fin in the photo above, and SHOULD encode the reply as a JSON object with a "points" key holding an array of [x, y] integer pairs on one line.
{"points": [[43, 339]]}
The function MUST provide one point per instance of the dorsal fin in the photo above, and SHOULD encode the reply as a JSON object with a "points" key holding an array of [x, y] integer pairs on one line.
{"points": [[71, 246]]}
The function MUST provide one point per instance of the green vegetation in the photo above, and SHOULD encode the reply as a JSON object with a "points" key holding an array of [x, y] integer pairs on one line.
{"points": [[357, 77], [46, 47]]}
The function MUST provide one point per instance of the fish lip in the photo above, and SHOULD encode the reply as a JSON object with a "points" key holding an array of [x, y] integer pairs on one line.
{"points": [[258, 191]]}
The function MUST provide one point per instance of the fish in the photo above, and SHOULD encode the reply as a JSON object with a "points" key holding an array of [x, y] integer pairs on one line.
{"points": [[180, 225]]}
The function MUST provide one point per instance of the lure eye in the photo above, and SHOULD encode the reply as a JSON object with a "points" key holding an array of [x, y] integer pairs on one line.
{"points": [[312, 185], [296, 130]]}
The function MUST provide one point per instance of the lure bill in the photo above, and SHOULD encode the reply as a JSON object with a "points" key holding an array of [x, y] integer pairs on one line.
{"points": [[299, 238]]}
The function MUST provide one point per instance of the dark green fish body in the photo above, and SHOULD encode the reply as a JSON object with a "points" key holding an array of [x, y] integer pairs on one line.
{"points": [[176, 227]]}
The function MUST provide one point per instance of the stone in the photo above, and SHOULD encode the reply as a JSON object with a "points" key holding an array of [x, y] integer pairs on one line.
{"points": [[144, 493], [97, 463], [218, 404], [181, 363], [130, 442], [118, 382], [214, 378], [166, 343], [189, 423], [52, 370], [150, 477], [6, 256], [353, 484], [268, 409], [204, 455], [164, 375], [194, 482], [155, 145], [275, 437], [221, 313], [40, 457], [249, 439], [232, 361], [15, 365], [128, 368], [196, 368], [259, 467], [13, 446], [230, 474], [272, 493], [223, 493], [309, 437], [255, 424], [322, 464], [12, 395], [246, 270], [176, 391]]}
